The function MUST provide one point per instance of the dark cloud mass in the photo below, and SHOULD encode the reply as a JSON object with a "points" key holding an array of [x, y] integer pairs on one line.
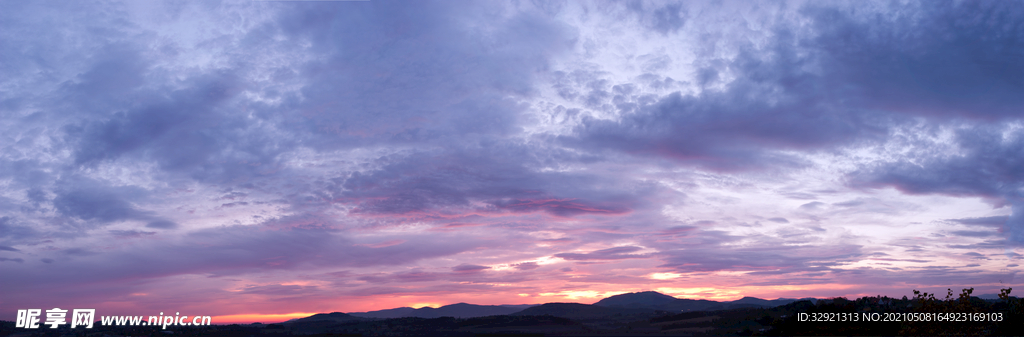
{"points": [[848, 79], [300, 156], [987, 165], [985, 221], [97, 205], [942, 59], [469, 268], [616, 253], [421, 75]]}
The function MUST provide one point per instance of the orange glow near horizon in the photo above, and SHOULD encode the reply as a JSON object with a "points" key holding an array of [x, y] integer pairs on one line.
{"points": [[583, 295], [723, 286], [425, 305], [261, 318]]}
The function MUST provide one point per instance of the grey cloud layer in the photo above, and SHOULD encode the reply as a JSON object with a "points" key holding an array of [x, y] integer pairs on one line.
{"points": [[847, 76], [988, 165], [415, 72]]}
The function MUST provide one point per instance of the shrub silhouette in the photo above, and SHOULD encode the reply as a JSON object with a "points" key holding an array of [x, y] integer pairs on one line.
{"points": [[961, 315]]}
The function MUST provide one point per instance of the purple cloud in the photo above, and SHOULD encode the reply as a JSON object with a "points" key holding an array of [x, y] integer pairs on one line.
{"points": [[616, 253], [469, 268]]}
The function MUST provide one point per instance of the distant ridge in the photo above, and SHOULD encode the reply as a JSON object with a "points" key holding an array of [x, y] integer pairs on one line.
{"points": [[579, 311], [646, 302], [319, 322], [641, 299], [653, 300], [769, 303], [463, 310], [331, 317]]}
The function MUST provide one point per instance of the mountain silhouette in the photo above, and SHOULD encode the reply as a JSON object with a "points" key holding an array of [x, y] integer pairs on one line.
{"points": [[463, 310], [579, 311], [768, 303], [331, 317], [637, 300], [630, 304], [657, 301]]}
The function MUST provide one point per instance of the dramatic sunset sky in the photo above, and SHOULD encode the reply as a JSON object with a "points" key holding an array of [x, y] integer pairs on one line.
{"points": [[272, 159]]}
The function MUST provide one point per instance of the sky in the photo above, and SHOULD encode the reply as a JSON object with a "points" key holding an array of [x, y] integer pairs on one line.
{"points": [[264, 160]]}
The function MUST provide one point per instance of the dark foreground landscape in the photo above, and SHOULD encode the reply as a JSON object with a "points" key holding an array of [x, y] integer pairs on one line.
{"points": [[634, 314]]}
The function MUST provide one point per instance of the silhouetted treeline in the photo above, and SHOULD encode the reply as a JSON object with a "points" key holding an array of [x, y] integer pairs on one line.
{"points": [[922, 315]]}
